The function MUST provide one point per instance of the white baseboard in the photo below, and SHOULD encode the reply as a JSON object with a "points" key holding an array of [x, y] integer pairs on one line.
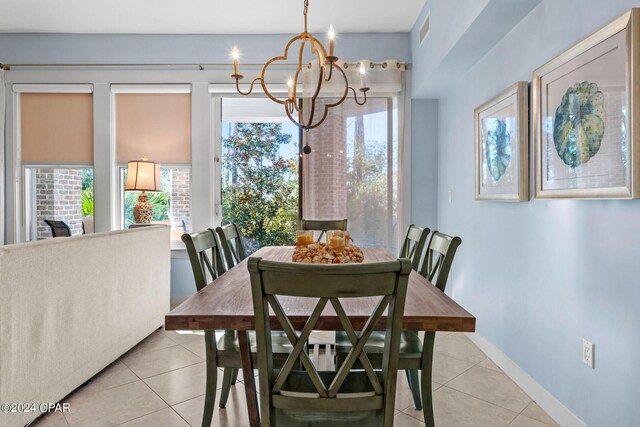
{"points": [[552, 406]]}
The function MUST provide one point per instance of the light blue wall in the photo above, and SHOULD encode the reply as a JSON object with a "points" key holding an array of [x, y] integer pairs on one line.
{"points": [[448, 22], [162, 49], [461, 32], [424, 162], [183, 284], [541, 276]]}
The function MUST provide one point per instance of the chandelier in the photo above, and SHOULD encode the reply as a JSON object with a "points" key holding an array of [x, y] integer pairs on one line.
{"points": [[307, 114]]}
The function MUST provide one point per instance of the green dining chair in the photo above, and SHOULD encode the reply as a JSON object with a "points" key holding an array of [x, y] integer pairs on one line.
{"points": [[415, 354], [346, 397], [230, 241], [413, 246], [322, 225], [231, 244], [226, 353], [413, 249], [206, 260]]}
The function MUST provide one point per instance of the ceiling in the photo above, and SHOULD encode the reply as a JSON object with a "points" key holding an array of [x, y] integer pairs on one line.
{"points": [[206, 16]]}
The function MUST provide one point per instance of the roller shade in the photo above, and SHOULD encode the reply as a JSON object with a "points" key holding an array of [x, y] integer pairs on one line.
{"points": [[56, 128], [153, 125]]}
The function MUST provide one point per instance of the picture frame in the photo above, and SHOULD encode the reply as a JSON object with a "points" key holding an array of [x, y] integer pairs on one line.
{"points": [[586, 111], [502, 146]]}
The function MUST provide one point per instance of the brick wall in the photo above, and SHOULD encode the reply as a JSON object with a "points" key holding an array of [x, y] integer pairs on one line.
{"points": [[58, 194], [180, 197], [325, 169]]}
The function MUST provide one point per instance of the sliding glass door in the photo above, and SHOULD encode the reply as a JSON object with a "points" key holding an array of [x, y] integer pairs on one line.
{"points": [[259, 171], [352, 171]]}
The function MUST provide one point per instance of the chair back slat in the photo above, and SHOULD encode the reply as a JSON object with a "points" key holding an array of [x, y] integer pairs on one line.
{"points": [[231, 244], [439, 258], [322, 225], [270, 281], [413, 246], [298, 348], [357, 349], [204, 256]]}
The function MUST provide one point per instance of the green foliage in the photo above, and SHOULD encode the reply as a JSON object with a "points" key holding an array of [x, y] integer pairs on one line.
{"points": [[259, 186], [87, 192]]}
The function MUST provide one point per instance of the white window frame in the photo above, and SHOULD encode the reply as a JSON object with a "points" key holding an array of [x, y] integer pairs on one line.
{"points": [[206, 86], [29, 208], [121, 168], [118, 220], [217, 92], [16, 220]]}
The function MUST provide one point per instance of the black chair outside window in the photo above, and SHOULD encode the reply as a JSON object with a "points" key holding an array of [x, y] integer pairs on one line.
{"points": [[58, 228]]}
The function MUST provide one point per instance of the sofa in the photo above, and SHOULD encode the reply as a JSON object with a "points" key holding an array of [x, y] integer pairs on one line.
{"points": [[71, 306]]}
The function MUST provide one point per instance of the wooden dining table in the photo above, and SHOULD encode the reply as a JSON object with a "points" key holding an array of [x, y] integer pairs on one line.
{"points": [[227, 304]]}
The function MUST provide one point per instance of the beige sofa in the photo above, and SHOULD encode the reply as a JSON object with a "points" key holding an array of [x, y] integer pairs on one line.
{"points": [[71, 306]]}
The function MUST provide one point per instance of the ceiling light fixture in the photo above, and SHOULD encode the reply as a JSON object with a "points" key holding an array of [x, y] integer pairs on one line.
{"points": [[328, 67]]}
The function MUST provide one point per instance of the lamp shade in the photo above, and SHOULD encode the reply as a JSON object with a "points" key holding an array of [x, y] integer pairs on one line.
{"points": [[142, 175]]}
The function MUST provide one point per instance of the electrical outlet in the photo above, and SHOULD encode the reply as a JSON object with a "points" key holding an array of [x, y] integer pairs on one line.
{"points": [[450, 196], [587, 353]]}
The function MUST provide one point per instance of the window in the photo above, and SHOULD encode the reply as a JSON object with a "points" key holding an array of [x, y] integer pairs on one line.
{"points": [[57, 159], [260, 171], [170, 206], [352, 171], [64, 194], [156, 126]]}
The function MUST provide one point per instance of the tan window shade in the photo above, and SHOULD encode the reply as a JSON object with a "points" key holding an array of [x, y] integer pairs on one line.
{"points": [[153, 125], [56, 128]]}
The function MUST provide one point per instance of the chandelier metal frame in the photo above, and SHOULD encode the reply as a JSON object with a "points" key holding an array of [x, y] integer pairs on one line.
{"points": [[328, 66]]}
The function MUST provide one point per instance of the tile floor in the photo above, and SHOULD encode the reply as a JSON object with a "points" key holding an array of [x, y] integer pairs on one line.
{"points": [[160, 383]]}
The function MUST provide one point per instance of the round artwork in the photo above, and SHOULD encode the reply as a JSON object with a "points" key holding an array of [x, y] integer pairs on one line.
{"points": [[578, 127], [498, 149]]}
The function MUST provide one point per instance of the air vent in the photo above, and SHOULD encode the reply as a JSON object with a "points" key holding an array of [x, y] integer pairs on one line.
{"points": [[424, 29]]}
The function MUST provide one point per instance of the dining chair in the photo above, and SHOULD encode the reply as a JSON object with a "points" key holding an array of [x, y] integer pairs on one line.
{"points": [[413, 246], [230, 241], [231, 244], [322, 225], [225, 353], [345, 397], [416, 354], [413, 249], [58, 228]]}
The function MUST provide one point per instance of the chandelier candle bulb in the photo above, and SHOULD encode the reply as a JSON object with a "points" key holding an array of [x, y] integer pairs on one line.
{"points": [[332, 39], [290, 87], [363, 73], [235, 54]]}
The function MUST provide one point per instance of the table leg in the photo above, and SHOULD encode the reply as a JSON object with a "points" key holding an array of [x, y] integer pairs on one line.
{"points": [[249, 379]]}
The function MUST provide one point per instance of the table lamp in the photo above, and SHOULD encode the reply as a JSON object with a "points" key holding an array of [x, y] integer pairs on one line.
{"points": [[142, 175]]}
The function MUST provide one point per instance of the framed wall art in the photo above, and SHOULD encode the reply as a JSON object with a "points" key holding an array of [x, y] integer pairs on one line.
{"points": [[502, 146], [586, 116]]}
